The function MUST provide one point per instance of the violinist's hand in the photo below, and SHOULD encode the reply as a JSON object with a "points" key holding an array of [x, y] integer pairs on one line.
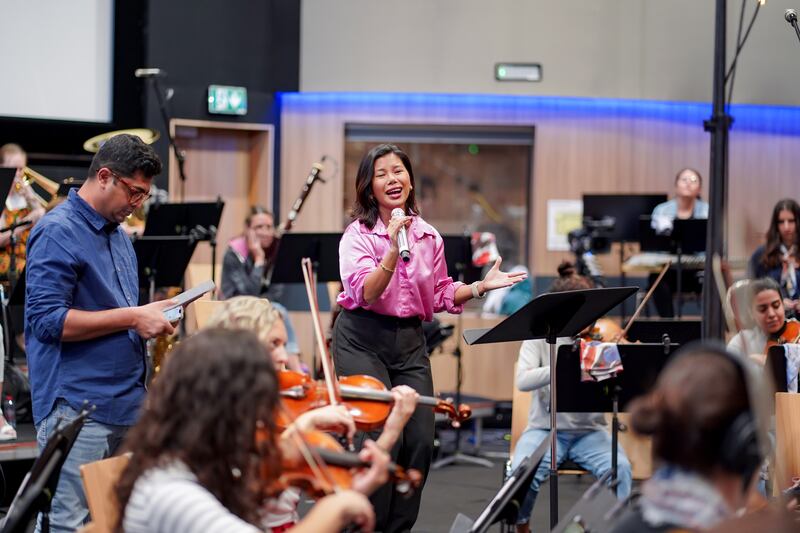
{"points": [[333, 418], [367, 481], [405, 403], [496, 279], [791, 305]]}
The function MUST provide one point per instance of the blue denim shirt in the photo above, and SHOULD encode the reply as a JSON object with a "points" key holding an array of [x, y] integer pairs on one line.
{"points": [[77, 260]]}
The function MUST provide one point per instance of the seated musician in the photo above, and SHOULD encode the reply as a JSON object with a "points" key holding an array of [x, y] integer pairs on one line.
{"points": [[705, 443], [686, 204], [205, 451], [582, 437], [21, 205], [779, 257], [764, 306], [246, 264], [259, 316]]}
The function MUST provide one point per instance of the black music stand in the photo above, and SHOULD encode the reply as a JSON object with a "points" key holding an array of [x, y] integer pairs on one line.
{"points": [[688, 237], [549, 316], [681, 331], [641, 365], [198, 220], [625, 210], [507, 502], [162, 261], [458, 257], [321, 248], [37, 489]]}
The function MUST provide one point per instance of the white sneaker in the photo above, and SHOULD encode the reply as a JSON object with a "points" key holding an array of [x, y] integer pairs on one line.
{"points": [[7, 432]]}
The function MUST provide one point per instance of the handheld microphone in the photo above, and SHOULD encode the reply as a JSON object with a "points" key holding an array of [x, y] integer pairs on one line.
{"points": [[790, 15], [149, 73], [402, 237]]}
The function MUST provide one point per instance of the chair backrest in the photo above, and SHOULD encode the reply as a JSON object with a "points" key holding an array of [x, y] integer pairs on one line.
{"points": [[737, 303], [787, 440], [99, 479], [520, 405], [204, 310]]}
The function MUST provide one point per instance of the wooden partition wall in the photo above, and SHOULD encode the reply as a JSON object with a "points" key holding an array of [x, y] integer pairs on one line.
{"points": [[228, 160], [581, 146]]}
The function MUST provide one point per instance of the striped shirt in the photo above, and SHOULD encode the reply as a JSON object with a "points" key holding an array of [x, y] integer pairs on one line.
{"points": [[168, 499]]}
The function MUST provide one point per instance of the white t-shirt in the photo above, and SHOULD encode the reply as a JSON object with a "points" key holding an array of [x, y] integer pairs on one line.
{"points": [[169, 499]]}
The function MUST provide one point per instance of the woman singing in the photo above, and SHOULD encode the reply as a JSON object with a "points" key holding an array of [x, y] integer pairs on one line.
{"points": [[385, 299]]}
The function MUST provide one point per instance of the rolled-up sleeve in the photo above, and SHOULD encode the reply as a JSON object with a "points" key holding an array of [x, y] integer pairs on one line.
{"points": [[356, 260], [444, 290], [51, 275]]}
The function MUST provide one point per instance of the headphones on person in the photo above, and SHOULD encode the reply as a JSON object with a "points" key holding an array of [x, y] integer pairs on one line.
{"points": [[741, 451]]}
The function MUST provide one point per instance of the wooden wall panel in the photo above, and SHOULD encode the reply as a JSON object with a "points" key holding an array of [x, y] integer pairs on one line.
{"points": [[577, 150], [231, 160]]}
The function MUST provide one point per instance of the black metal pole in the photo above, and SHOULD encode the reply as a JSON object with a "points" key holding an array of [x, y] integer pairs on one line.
{"points": [[718, 126], [551, 341]]}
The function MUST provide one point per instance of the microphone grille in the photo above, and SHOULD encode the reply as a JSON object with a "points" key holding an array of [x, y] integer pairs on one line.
{"points": [[397, 212], [790, 15]]}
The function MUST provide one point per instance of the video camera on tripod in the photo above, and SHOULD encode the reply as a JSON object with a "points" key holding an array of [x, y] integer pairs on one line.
{"points": [[592, 238]]}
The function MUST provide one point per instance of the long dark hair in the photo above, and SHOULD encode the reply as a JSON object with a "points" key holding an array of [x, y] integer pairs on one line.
{"points": [[203, 410], [772, 250], [365, 207]]}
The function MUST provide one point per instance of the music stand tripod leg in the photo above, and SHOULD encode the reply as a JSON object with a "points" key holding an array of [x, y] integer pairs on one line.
{"points": [[458, 456]]}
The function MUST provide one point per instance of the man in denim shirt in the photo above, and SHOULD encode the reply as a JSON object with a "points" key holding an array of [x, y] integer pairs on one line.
{"points": [[83, 329]]}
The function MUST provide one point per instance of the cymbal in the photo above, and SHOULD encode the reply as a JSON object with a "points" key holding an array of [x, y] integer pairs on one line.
{"points": [[145, 134]]}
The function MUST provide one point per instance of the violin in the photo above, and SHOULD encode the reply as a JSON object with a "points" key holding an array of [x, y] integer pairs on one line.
{"points": [[789, 334], [324, 467], [367, 399], [605, 330]]}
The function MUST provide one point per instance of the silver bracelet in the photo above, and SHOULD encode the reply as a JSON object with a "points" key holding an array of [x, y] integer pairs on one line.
{"points": [[475, 293]]}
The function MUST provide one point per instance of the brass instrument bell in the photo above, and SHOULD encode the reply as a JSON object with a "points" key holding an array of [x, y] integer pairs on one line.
{"points": [[30, 177]]}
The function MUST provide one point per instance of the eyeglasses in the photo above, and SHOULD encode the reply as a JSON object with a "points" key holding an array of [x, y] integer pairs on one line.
{"points": [[689, 179], [135, 195]]}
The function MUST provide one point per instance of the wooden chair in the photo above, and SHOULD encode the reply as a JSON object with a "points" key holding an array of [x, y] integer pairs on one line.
{"points": [[99, 479], [787, 440], [204, 309]]}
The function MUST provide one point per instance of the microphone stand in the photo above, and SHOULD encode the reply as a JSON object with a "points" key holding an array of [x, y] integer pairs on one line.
{"points": [[791, 18], [180, 155]]}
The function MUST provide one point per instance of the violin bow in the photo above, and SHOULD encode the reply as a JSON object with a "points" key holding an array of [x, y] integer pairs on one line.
{"points": [[645, 300], [331, 383]]}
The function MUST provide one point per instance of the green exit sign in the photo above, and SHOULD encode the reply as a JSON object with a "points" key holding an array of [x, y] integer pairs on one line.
{"points": [[226, 100]]}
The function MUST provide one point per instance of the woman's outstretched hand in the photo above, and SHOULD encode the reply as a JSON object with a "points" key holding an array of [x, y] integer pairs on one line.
{"points": [[496, 278]]}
